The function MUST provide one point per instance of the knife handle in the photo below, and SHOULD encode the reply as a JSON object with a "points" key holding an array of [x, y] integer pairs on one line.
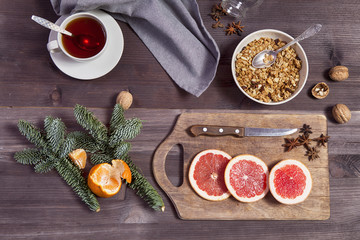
{"points": [[209, 130]]}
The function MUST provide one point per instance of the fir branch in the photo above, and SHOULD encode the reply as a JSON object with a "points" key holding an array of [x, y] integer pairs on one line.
{"points": [[85, 141], [122, 149], [48, 157], [89, 122], [29, 156], [72, 176], [44, 166], [128, 131], [55, 132], [143, 188], [32, 134], [97, 158], [117, 118], [121, 129], [67, 147]]}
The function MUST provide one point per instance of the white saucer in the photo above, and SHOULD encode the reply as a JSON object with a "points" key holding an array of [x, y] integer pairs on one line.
{"points": [[103, 63]]}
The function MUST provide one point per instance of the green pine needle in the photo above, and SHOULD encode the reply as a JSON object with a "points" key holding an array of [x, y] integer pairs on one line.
{"points": [[122, 149], [32, 134], [117, 117], [129, 130], [67, 147], [44, 166], [97, 158], [143, 188], [89, 122], [55, 132], [30, 156], [72, 176], [84, 141]]}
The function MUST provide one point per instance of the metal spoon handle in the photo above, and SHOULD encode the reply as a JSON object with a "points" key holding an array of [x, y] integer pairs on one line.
{"points": [[45, 23], [311, 31]]}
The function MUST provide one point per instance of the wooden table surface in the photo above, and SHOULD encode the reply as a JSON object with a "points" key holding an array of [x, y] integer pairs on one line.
{"points": [[42, 206]]}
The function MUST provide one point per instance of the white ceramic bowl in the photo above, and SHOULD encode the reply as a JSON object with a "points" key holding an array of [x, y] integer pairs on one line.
{"points": [[274, 34]]}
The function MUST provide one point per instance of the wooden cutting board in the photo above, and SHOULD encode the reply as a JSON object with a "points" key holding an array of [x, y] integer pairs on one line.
{"points": [[190, 206]]}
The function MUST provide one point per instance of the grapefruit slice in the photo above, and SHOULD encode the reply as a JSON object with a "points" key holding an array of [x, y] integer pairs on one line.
{"points": [[246, 177], [206, 174], [290, 182]]}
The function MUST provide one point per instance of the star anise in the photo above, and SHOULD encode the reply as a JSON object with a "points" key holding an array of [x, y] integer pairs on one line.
{"points": [[305, 140], [312, 153], [215, 15], [322, 140], [291, 143], [238, 26], [217, 7], [306, 129], [218, 24], [230, 30]]}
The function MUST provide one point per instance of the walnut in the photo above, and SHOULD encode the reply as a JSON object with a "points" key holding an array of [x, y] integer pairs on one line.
{"points": [[320, 90], [125, 99], [341, 113], [339, 73]]}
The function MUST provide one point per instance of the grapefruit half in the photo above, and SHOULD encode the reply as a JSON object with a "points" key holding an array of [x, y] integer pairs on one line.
{"points": [[206, 174], [290, 182], [246, 177]]}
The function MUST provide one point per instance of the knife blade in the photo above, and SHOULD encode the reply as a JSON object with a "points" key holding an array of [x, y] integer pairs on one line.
{"points": [[212, 130]]}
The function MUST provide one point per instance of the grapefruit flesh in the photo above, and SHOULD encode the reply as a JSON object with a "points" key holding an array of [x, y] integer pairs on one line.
{"points": [[246, 177], [206, 174], [290, 181]]}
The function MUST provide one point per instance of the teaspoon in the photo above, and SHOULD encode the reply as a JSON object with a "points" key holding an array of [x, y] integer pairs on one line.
{"points": [[267, 57], [83, 41]]}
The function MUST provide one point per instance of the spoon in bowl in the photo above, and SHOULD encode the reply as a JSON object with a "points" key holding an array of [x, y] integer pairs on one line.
{"points": [[83, 41], [267, 57]]}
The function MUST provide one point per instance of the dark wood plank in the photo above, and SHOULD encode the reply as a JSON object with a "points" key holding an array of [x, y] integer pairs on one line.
{"points": [[25, 62], [52, 211]]}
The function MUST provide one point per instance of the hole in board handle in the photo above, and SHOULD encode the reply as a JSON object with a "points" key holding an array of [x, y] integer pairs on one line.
{"points": [[174, 165]]}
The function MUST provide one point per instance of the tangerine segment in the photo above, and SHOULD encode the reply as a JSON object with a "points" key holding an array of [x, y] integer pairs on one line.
{"points": [[206, 174], [290, 182], [105, 180], [246, 177], [78, 156]]}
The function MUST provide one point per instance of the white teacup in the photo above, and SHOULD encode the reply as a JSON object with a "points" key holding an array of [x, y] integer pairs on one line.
{"points": [[58, 44]]}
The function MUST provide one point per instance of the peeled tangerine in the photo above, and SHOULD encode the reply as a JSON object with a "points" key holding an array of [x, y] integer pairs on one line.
{"points": [[290, 182], [105, 179]]}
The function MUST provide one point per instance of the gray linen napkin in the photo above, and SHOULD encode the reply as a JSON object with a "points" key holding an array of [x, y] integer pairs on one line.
{"points": [[171, 29]]}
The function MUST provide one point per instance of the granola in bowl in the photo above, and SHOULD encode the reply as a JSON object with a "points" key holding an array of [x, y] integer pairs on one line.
{"points": [[275, 83], [278, 83]]}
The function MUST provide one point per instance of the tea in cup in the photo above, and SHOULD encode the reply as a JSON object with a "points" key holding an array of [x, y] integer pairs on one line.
{"points": [[88, 40]]}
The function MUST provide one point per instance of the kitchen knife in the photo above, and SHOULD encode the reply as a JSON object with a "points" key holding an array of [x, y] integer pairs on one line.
{"points": [[210, 130]]}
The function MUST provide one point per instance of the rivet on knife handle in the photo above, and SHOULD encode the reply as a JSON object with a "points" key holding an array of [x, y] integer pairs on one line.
{"points": [[209, 130]]}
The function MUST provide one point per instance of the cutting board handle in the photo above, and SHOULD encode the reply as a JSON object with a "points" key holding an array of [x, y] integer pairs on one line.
{"points": [[159, 165]]}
